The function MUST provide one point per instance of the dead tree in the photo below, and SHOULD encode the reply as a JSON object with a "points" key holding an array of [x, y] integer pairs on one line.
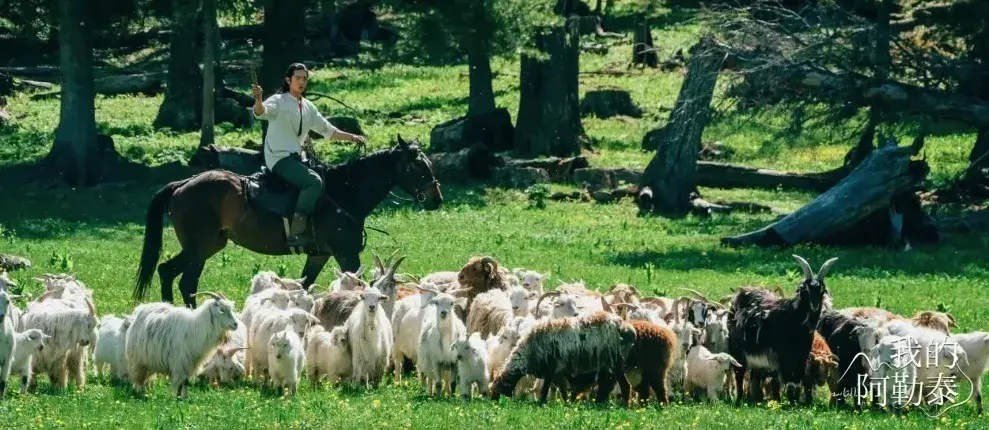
{"points": [[643, 51], [548, 122], [876, 202], [209, 54], [671, 176]]}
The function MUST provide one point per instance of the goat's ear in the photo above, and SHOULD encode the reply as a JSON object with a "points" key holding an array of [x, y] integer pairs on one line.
{"points": [[834, 358], [462, 301], [337, 272], [530, 295], [383, 298]]}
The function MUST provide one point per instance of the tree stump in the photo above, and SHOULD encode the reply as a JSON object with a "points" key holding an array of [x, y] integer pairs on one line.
{"points": [[492, 129], [609, 103], [606, 178], [474, 163], [548, 122], [858, 209], [559, 169], [643, 51], [672, 172]]}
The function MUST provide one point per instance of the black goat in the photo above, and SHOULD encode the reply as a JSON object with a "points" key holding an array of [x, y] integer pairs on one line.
{"points": [[843, 335], [769, 334]]}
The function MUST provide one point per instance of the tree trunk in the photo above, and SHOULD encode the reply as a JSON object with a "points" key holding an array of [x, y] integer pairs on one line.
{"points": [[492, 129], [643, 51], [672, 173], [179, 110], [481, 100], [870, 190], [978, 168], [79, 155], [209, 79], [548, 122], [881, 61], [476, 162], [284, 41]]}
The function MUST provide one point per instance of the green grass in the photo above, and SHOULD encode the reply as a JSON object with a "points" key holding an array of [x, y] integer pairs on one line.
{"points": [[96, 233]]}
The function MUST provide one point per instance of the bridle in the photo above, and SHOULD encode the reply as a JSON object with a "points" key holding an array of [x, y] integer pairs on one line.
{"points": [[418, 193]]}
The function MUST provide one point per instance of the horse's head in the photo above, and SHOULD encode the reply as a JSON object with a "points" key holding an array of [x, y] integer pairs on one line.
{"points": [[416, 176]]}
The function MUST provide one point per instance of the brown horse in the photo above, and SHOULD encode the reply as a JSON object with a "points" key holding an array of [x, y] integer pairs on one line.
{"points": [[211, 208]]}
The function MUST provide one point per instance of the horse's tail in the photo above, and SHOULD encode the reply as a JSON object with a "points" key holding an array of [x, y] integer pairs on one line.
{"points": [[154, 224]]}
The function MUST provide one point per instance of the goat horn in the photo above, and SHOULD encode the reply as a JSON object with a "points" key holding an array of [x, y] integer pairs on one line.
{"points": [[412, 277], [44, 296], [675, 310], [605, 305], [230, 352], [432, 290], [808, 273], [824, 268], [726, 299], [635, 291], [697, 294], [207, 293], [612, 287], [394, 266], [779, 291], [92, 309], [546, 294]]}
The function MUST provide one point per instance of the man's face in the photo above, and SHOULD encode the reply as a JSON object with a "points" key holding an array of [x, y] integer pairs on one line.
{"points": [[298, 82]]}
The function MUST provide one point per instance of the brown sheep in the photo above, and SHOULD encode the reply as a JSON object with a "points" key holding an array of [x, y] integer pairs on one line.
{"points": [[652, 356], [940, 321], [479, 275], [822, 367]]}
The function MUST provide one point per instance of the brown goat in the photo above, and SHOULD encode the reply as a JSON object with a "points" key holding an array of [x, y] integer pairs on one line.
{"points": [[940, 321], [882, 316], [822, 368], [480, 275], [652, 356]]}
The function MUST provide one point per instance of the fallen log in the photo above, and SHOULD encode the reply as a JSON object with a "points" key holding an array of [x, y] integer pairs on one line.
{"points": [[720, 175], [559, 169], [147, 84], [519, 177], [865, 207], [492, 129], [474, 163]]}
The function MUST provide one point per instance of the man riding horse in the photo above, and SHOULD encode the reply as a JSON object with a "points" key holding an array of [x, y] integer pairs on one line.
{"points": [[290, 116], [217, 206]]}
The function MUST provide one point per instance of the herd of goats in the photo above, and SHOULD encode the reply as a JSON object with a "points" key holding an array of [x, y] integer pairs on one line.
{"points": [[490, 331]]}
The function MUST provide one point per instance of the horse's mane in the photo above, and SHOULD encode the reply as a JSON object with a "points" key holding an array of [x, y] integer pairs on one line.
{"points": [[359, 164]]}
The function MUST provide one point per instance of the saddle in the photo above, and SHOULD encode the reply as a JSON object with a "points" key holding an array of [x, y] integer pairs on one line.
{"points": [[268, 192]]}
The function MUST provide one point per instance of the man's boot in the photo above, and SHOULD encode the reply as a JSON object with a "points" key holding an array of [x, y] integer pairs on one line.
{"points": [[297, 230]]}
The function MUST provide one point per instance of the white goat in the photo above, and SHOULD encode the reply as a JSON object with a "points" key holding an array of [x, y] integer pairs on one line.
{"points": [[888, 364], [948, 358], [7, 341], [71, 330], [175, 340], [489, 312], [473, 367], [328, 355], [27, 344], [440, 328], [976, 346], [406, 323], [522, 300], [226, 365], [370, 336], [687, 336], [348, 281], [265, 280], [109, 349], [708, 371], [286, 359], [265, 327]]}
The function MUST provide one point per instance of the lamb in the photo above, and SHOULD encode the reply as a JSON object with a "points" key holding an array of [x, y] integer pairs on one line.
{"points": [[500, 346], [27, 344], [109, 349], [976, 346], [328, 355], [406, 324], [708, 370], [286, 358], [598, 343], [70, 329], [7, 341], [266, 327], [521, 300], [822, 368], [489, 312], [370, 336], [440, 329], [472, 365], [226, 366], [175, 340], [772, 334], [531, 280], [348, 281]]}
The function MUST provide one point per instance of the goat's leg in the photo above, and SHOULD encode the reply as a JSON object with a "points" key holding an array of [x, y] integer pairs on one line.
{"points": [[739, 380], [624, 385], [544, 391]]}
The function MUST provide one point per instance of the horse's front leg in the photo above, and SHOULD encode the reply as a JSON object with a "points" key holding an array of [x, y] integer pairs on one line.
{"points": [[349, 263], [314, 265]]}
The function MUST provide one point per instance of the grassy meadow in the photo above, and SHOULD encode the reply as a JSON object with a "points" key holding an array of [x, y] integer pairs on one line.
{"points": [[96, 233]]}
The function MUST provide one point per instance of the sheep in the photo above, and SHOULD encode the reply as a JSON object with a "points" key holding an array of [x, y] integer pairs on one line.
{"points": [[328, 355], [70, 329], [266, 327], [489, 312], [270, 280], [348, 281], [976, 346], [286, 359], [7, 341], [109, 349], [554, 349], [440, 329], [772, 334], [406, 324], [480, 275], [26, 345], [335, 308], [651, 357], [473, 365], [175, 340], [370, 337], [940, 321], [708, 370], [226, 366]]}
